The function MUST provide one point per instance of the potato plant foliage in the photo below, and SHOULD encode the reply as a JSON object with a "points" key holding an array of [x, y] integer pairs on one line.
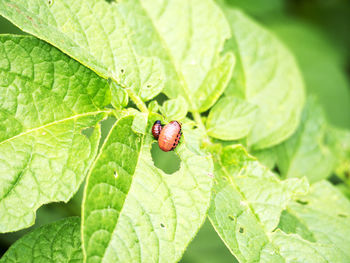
{"points": [[239, 93]]}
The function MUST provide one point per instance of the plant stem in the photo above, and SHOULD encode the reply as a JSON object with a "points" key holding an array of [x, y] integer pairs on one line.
{"points": [[138, 102], [198, 119]]}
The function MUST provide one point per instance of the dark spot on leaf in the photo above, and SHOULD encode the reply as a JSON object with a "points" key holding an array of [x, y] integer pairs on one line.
{"points": [[231, 218], [122, 71], [342, 215], [115, 174], [241, 230], [276, 170], [302, 202], [168, 162], [50, 2], [149, 85], [162, 225]]}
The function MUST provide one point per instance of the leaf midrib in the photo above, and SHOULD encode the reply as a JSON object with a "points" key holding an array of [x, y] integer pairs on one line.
{"points": [[54, 123]]}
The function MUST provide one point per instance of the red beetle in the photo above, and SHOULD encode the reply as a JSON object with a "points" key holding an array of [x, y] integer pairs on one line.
{"points": [[156, 129], [169, 136]]}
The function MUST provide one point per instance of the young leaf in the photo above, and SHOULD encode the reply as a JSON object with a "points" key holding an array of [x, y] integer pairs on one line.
{"points": [[58, 242], [143, 45], [321, 222], [133, 211], [340, 142], [175, 109], [247, 203], [231, 119], [267, 76], [47, 100], [119, 96], [309, 151], [194, 33]]}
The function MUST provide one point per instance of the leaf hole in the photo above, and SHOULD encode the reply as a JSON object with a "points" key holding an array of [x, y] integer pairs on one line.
{"points": [[168, 162], [231, 218], [241, 230], [342, 215], [302, 202], [87, 131]]}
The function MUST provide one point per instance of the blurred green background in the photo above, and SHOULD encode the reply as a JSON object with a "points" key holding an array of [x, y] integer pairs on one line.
{"points": [[317, 32]]}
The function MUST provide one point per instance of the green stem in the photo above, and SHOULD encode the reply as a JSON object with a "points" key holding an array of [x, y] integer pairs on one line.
{"points": [[198, 119], [138, 102]]}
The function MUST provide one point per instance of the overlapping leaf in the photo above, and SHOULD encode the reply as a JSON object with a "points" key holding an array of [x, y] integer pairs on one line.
{"points": [[247, 213], [58, 242], [267, 76], [231, 119], [143, 45], [322, 65], [309, 152], [316, 227], [46, 101], [247, 203], [133, 211]]}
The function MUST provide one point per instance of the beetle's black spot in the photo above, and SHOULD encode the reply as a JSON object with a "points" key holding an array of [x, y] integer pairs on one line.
{"points": [[174, 144], [241, 230]]}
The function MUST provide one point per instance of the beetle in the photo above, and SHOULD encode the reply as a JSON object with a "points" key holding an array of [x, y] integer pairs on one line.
{"points": [[169, 136], [156, 129]]}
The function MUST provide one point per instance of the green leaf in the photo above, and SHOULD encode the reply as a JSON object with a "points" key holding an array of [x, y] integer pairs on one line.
{"points": [[257, 8], [99, 35], [267, 76], [322, 66], [119, 96], [247, 203], [231, 119], [143, 45], [194, 33], [58, 242], [308, 152], [133, 211], [175, 109], [47, 100], [323, 230], [340, 142], [153, 106], [267, 157], [139, 123]]}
